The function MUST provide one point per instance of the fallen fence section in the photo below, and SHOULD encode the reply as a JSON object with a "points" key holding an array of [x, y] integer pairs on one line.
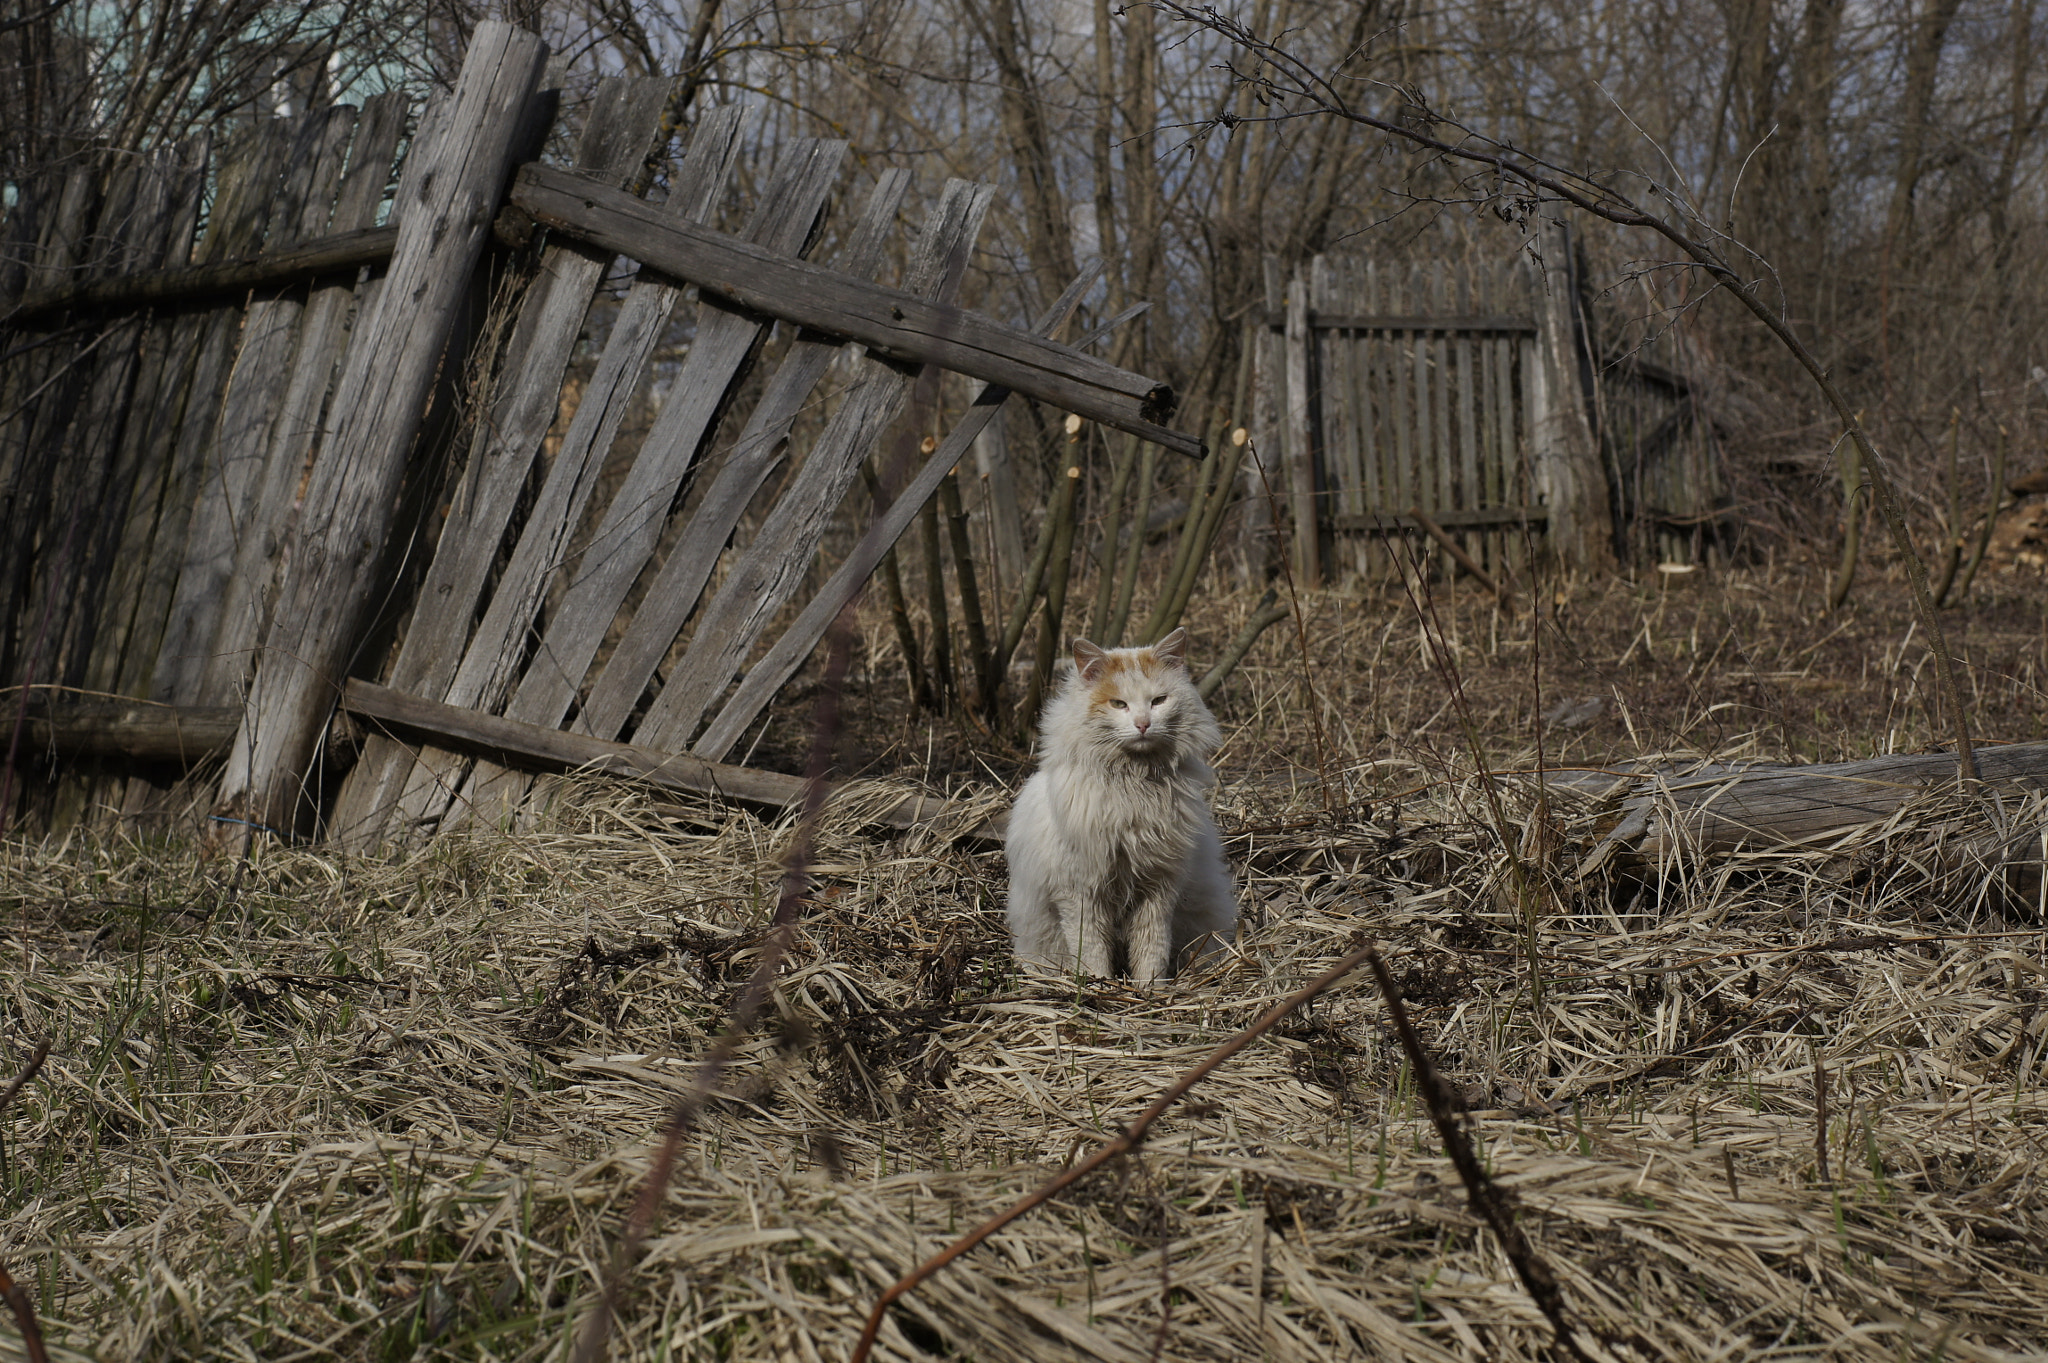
{"points": [[1718, 809]]}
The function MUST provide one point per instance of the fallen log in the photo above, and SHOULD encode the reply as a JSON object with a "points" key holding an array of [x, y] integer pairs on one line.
{"points": [[1722, 809]]}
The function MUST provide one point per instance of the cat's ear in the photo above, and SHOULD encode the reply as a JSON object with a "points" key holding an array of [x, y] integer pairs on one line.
{"points": [[1173, 648], [1089, 659]]}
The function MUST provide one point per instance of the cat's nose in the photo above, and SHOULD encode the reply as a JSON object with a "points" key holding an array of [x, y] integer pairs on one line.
{"points": [[1143, 722]]}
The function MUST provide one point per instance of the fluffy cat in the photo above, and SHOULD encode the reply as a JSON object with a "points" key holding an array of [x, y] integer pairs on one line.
{"points": [[1114, 858]]}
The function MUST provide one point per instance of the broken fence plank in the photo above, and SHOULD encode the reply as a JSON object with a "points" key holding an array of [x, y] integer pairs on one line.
{"points": [[623, 126], [189, 734], [629, 530], [762, 447], [1786, 806], [782, 660], [892, 323], [324, 602], [533, 747], [773, 565]]}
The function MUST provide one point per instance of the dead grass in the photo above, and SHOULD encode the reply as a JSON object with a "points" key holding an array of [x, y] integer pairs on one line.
{"points": [[319, 1106]]}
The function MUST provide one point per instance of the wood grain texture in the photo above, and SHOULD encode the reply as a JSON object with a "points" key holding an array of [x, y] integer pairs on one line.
{"points": [[613, 556], [537, 748], [446, 200], [1299, 455], [188, 540], [759, 450], [322, 340], [1722, 811], [891, 323], [137, 730], [787, 654], [771, 568], [622, 128], [236, 504]]}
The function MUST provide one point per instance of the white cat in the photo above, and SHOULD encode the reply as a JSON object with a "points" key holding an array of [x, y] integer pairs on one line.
{"points": [[1114, 858]]}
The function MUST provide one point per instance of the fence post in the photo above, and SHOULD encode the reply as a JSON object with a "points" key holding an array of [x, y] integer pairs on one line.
{"points": [[1564, 454], [451, 188], [1301, 460]]}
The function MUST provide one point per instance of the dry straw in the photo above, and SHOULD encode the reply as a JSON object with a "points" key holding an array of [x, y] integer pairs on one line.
{"points": [[365, 1108]]}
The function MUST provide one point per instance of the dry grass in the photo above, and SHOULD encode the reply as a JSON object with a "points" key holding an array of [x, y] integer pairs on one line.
{"points": [[313, 1105]]}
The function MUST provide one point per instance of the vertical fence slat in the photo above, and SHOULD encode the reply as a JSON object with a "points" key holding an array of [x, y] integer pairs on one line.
{"points": [[227, 517], [447, 198], [624, 123], [490, 661]]}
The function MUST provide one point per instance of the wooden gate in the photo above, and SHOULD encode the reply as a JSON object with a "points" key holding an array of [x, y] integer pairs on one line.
{"points": [[1434, 389]]}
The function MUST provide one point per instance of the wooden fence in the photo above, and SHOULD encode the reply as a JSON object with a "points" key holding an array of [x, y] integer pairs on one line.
{"points": [[1449, 390], [218, 457]]}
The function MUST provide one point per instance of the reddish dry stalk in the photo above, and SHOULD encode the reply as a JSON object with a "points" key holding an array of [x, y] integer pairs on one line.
{"points": [[1126, 1141], [25, 1317], [591, 1339], [29, 1071], [1486, 1199]]}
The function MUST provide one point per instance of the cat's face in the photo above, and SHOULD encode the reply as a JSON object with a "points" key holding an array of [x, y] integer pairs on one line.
{"points": [[1136, 696]]}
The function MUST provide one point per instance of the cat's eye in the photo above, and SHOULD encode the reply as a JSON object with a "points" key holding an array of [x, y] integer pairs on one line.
{"points": [[1120, 705], [1159, 700]]}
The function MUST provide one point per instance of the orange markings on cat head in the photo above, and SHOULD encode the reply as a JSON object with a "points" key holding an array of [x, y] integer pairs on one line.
{"points": [[1099, 667]]}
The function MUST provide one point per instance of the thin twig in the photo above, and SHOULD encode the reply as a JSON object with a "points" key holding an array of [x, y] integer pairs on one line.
{"points": [[25, 1317], [1486, 1198], [34, 1066], [1126, 1140]]}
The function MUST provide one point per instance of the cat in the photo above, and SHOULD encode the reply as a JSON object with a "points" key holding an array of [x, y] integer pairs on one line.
{"points": [[1114, 858]]}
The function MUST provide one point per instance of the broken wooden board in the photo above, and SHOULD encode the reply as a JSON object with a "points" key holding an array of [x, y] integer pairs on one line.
{"points": [[1722, 810], [186, 735], [893, 324]]}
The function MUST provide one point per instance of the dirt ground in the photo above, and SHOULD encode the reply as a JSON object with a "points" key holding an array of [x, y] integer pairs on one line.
{"points": [[1785, 1104]]}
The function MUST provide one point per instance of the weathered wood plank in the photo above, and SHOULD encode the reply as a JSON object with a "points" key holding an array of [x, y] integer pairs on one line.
{"points": [[630, 528], [490, 661], [891, 323], [339, 253], [145, 446], [623, 125], [535, 747], [168, 615], [40, 412], [225, 518], [758, 451], [99, 463], [447, 198], [769, 571], [780, 663], [1299, 457], [1788, 806], [322, 338], [140, 731]]}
